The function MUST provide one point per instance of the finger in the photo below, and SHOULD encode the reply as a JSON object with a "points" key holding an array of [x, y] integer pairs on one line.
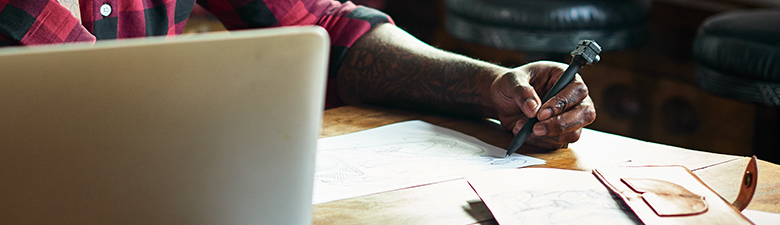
{"points": [[509, 122], [571, 96], [574, 119], [571, 137], [554, 142], [530, 105], [545, 142], [518, 124]]}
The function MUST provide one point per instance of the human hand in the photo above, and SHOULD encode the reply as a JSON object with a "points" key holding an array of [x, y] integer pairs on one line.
{"points": [[515, 97]]}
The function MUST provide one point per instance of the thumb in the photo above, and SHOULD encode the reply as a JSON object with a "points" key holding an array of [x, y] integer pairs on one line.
{"points": [[519, 94]]}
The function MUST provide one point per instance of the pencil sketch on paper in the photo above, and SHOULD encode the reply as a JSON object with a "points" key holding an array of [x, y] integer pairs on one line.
{"points": [[331, 169], [401, 155], [415, 154], [420, 144], [564, 207], [549, 196]]}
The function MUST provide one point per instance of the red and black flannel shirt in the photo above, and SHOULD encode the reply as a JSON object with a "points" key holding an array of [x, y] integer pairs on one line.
{"points": [[32, 22]]}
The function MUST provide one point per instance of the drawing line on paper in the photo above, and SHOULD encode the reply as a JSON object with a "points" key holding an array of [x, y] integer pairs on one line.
{"points": [[420, 145], [396, 159], [564, 207]]}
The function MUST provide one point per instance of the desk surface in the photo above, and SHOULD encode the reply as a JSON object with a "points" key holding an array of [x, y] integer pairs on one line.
{"points": [[454, 202]]}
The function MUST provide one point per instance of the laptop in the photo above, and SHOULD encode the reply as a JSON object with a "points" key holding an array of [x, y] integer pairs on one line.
{"points": [[215, 128]]}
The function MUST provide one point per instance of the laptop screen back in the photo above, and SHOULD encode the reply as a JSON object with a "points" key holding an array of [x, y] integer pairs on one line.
{"points": [[207, 129]]}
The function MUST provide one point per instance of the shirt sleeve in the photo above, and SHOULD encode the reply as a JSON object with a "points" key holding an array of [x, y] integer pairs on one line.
{"points": [[39, 22], [345, 22]]}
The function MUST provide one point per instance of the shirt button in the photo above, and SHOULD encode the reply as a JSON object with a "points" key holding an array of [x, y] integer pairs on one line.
{"points": [[105, 9]]}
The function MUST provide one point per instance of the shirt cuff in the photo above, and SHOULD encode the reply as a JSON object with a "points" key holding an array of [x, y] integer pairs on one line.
{"points": [[345, 25]]}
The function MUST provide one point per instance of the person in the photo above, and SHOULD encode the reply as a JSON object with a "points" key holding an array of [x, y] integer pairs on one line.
{"points": [[372, 60]]}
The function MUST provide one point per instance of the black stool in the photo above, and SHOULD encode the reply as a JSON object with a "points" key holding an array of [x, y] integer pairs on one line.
{"points": [[738, 57], [548, 26]]}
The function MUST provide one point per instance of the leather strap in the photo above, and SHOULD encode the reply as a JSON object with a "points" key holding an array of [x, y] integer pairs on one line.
{"points": [[748, 186], [670, 195]]}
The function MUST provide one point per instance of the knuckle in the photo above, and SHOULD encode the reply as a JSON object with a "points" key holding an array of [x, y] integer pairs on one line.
{"points": [[572, 137], [581, 90], [559, 126], [589, 115]]}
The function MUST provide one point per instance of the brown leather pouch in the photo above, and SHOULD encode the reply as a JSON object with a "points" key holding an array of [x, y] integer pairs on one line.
{"points": [[675, 195]]}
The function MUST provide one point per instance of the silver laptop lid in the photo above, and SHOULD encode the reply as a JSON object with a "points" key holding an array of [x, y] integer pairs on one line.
{"points": [[207, 129]]}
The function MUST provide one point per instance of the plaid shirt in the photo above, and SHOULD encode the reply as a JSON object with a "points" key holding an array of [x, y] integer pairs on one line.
{"points": [[32, 22]]}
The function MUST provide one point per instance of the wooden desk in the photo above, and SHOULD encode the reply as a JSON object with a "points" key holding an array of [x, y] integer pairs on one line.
{"points": [[454, 202]]}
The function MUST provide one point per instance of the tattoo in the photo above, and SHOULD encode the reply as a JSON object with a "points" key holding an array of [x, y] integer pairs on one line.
{"points": [[579, 123], [390, 74]]}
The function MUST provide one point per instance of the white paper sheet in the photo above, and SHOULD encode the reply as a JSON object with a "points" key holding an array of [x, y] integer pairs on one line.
{"points": [[762, 218], [549, 196], [402, 155]]}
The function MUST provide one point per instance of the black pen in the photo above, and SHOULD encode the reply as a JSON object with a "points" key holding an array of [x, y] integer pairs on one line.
{"points": [[586, 52]]}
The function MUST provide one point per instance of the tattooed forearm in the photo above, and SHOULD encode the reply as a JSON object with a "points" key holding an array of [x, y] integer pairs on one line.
{"points": [[387, 66]]}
